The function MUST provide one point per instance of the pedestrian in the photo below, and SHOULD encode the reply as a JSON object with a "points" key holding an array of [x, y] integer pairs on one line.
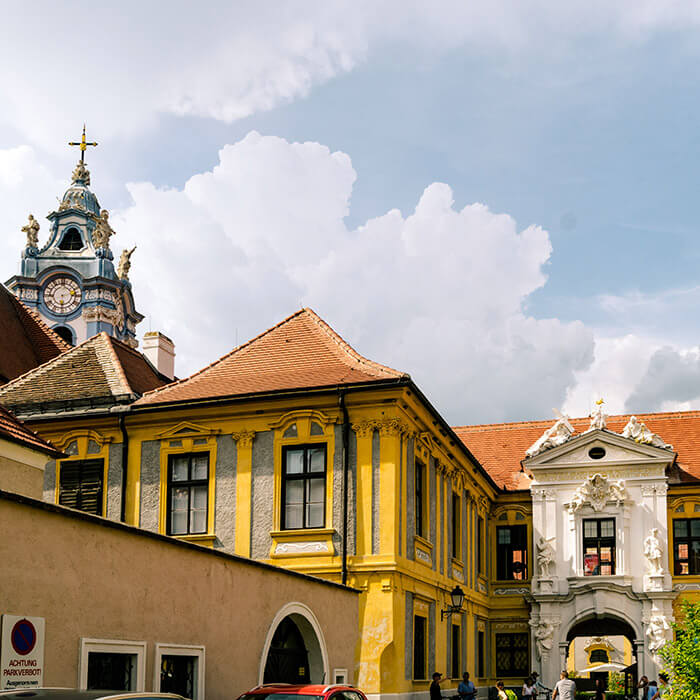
{"points": [[565, 689], [500, 687], [466, 689], [652, 690], [599, 690], [435, 692], [663, 687], [642, 687], [529, 690], [539, 686]]}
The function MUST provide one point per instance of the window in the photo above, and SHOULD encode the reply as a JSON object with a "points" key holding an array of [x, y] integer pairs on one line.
{"points": [[511, 655], [188, 494], [81, 485], [304, 487], [66, 333], [420, 499], [511, 553], [456, 525], [419, 647], [340, 676], [599, 656], [71, 240], [107, 664], [480, 654], [599, 547], [686, 546], [479, 545], [179, 669], [455, 651]]}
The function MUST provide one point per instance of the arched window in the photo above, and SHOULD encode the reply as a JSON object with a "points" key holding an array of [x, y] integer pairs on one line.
{"points": [[71, 240], [65, 333], [599, 656]]}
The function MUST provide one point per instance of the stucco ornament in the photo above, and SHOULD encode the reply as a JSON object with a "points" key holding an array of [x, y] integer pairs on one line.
{"points": [[598, 417], [657, 632], [557, 435], [597, 490], [545, 555], [125, 264], [32, 230], [544, 637], [103, 231], [637, 431], [81, 174], [653, 554]]}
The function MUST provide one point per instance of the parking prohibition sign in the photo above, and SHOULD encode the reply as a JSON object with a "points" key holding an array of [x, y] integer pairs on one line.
{"points": [[23, 637]]}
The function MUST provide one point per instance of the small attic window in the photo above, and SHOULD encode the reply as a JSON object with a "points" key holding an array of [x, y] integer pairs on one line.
{"points": [[696, 509], [681, 509], [503, 515], [316, 429], [519, 516], [71, 240], [596, 452], [291, 431]]}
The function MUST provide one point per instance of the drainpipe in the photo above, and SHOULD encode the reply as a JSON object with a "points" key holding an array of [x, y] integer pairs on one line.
{"points": [[346, 473], [125, 462]]}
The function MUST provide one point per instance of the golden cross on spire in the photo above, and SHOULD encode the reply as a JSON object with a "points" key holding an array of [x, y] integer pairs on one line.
{"points": [[83, 145]]}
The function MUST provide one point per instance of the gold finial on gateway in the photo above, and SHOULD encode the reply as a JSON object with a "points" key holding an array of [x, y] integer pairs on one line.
{"points": [[83, 145], [600, 401]]}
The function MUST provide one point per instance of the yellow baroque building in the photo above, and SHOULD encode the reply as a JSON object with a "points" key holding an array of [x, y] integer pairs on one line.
{"points": [[295, 450]]}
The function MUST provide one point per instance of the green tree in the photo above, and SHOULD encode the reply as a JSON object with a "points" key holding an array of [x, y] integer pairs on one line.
{"points": [[681, 657]]}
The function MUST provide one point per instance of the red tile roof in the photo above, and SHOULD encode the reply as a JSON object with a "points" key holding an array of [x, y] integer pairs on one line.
{"points": [[26, 341], [501, 446], [101, 369], [300, 352], [14, 430]]}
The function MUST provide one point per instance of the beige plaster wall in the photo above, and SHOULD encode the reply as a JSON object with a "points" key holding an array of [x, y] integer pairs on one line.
{"points": [[112, 582], [19, 477]]}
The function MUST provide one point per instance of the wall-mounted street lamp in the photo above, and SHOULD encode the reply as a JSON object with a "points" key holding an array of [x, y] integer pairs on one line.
{"points": [[456, 598]]}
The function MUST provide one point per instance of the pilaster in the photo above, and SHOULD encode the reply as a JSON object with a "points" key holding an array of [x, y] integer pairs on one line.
{"points": [[390, 430], [244, 475], [364, 430]]}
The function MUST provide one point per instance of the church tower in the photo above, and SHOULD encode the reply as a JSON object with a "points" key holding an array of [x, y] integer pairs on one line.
{"points": [[71, 281]]}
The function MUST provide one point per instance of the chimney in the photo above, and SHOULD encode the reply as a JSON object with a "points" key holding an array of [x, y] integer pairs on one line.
{"points": [[160, 352]]}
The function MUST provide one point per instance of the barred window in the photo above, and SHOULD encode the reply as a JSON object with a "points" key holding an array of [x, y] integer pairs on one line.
{"points": [[81, 485], [512, 656]]}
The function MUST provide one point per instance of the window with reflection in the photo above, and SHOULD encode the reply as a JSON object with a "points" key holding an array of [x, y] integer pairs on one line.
{"points": [[188, 493], [303, 487], [686, 546], [511, 552], [599, 547]]}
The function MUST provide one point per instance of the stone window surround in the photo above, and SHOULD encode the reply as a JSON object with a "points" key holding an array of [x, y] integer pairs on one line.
{"points": [[198, 652], [113, 646]]}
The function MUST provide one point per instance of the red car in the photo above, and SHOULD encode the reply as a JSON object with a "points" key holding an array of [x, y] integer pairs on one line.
{"points": [[284, 691]]}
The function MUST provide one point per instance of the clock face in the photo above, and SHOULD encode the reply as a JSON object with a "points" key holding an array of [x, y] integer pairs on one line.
{"points": [[62, 295]]}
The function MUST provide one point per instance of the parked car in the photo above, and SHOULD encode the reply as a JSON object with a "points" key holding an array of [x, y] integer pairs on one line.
{"points": [[285, 691], [70, 694]]}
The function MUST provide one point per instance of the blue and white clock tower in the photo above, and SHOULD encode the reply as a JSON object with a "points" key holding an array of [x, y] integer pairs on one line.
{"points": [[71, 281]]}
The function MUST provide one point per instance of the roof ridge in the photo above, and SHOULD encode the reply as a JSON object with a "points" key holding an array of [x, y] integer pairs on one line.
{"points": [[120, 368], [346, 347], [235, 350], [41, 369]]}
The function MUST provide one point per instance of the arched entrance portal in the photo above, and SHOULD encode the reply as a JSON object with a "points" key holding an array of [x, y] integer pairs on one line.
{"points": [[287, 658], [605, 643], [295, 650]]}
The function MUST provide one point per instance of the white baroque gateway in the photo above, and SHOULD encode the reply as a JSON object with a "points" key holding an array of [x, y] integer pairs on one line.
{"points": [[599, 516]]}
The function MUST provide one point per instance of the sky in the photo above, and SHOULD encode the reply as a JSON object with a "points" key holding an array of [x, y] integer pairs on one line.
{"points": [[496, 197]]}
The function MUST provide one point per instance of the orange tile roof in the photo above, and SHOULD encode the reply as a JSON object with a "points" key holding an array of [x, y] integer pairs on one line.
{"points": [[101, 369], [14, 430], [27, 341], [501, 446], [300, 352]]}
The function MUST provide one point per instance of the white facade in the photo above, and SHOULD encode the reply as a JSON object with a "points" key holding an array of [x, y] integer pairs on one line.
{"points": [[592, 476]]}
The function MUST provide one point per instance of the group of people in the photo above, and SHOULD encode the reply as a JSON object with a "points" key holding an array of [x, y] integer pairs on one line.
{"points": [[651, 690], [565, 689]]}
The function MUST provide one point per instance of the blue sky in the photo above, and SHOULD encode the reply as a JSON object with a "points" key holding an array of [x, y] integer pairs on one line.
{"points": [[580, 121]]}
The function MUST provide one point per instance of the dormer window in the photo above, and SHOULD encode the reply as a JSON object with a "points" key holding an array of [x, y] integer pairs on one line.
{"points": [[71, 240]]}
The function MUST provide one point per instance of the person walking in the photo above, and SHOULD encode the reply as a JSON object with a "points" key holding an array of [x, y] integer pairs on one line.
{"points": [[466, 689], [599, 690], [435, 692], [565, 689], [529, 690], [663, 687], [642, 687], [540, 688]]}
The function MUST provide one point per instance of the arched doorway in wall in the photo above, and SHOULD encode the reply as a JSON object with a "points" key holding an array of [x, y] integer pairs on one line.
{"points": [[295, 649], [605, 642]]}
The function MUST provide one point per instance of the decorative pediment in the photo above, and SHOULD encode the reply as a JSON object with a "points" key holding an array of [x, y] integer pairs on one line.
{"points": [[187, 429]]}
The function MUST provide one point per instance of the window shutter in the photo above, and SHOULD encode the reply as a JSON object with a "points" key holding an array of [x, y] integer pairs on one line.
{"points": [[81, 485]]}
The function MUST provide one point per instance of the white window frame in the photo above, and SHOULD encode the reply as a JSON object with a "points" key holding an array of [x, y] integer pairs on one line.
{"points": [[340, 672], [113, 646], [198, 652]]}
